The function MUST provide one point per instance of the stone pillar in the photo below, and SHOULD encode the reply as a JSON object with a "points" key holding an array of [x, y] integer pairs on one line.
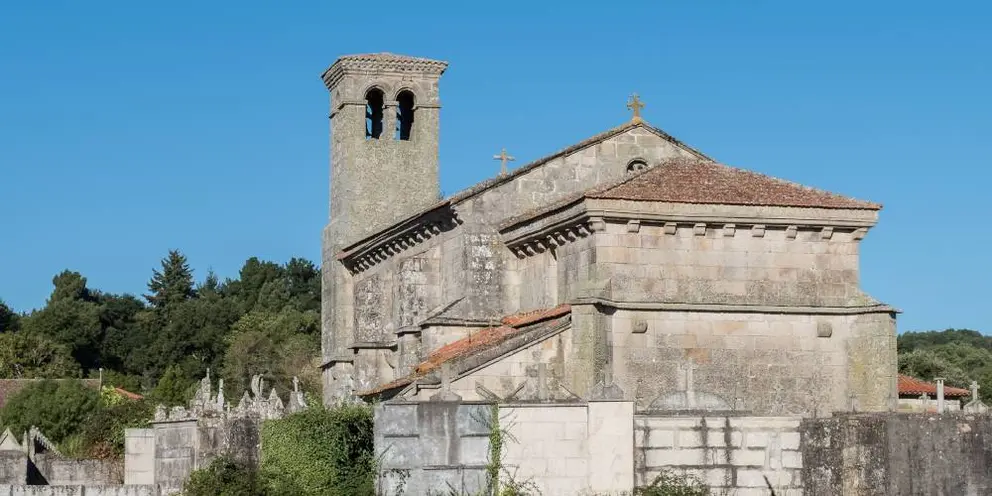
{"points": [[940, 394], [611, 446]]}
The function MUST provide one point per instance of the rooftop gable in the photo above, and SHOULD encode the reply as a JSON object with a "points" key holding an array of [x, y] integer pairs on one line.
{"points": [[445, 206]]}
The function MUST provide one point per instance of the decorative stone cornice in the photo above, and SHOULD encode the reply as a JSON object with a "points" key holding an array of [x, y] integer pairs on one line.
{"points": [[529, 236], [722, 308], [401, 237], [554, 236], [380, 62]]}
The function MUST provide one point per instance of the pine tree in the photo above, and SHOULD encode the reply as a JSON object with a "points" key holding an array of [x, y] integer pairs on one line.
{"points": [[173, 285]]}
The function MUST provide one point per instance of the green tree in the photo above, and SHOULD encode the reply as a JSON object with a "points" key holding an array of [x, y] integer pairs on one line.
{"points": [[69, 285], [9, 320], [58, 408], [277, 346], [174, 388], [304, 284], [253, 277], [173, 284], [32, 356], [74, 323]]}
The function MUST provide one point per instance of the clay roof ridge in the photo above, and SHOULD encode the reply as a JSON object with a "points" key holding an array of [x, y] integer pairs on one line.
{"points": [[719, 174]]}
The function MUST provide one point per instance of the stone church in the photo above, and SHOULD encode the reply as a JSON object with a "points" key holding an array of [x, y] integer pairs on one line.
{"points": [[626, 266]]}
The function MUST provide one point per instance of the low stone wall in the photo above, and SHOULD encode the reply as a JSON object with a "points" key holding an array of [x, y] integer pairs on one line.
{"points": [[60, 471], [731, 455], [898, 454], [564, 448], [137, 490]]}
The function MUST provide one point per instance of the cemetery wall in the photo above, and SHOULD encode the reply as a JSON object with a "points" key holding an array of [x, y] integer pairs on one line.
{"points": [[79, 490], [731, 455], [897, 454]]}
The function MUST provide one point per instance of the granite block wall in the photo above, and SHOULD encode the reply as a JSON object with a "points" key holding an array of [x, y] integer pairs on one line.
{"points": [[557, 449], [764, 363], [63, 472], [897, 454], [731, 455], [719, 263], [79, 490]]}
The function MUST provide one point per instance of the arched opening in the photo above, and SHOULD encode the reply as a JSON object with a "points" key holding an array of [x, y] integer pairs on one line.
{"points": [[373, 113], [404, 115], [636, 165]]}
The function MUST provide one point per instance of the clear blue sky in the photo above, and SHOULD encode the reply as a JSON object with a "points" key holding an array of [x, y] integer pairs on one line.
{"points": [[127, 129]]}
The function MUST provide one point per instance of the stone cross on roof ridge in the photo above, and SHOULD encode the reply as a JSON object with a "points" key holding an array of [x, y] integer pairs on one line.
{"points": [[503, 158], [635, 104]]}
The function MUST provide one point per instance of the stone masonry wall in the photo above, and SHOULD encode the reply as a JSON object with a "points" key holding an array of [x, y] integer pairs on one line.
{"points": [[730, 264], [560, 449], [767, 364], [731, 455], [77, 490], [471, 262], [61, 471], [13, 467], [898, 455]]}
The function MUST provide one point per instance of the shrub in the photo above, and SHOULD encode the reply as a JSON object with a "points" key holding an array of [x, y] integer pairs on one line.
{"points": [[320, 451], [223, 477], [58, 408], [669, 483], [103, 432]]}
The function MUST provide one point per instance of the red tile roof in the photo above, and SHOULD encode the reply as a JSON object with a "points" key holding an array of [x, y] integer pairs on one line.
{"points": [[699, 181], [912, 386], [128, 394], [486, 338]]}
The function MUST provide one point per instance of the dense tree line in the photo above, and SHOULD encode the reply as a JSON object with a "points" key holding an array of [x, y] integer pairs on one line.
{"points": [[958, 355], [266, 321]]}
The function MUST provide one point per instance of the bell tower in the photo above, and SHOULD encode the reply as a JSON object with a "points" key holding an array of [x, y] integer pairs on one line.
{"points": [[384, 167]]}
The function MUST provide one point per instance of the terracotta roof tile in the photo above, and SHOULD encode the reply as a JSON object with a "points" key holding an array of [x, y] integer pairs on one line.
{"points": [[128, 394], [912, 386], [699, 181], [486, 338]]}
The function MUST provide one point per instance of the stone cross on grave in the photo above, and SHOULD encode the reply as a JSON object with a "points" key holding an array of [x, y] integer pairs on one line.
{"points": [[635, 105], [503, 158]]}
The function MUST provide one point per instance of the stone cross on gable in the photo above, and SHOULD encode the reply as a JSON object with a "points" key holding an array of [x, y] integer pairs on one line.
{"points": [[635, 105], [974, 390], [503, 158]]}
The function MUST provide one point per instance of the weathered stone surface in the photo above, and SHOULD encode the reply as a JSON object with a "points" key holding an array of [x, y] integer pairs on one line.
{"points": [[899, 454]]}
